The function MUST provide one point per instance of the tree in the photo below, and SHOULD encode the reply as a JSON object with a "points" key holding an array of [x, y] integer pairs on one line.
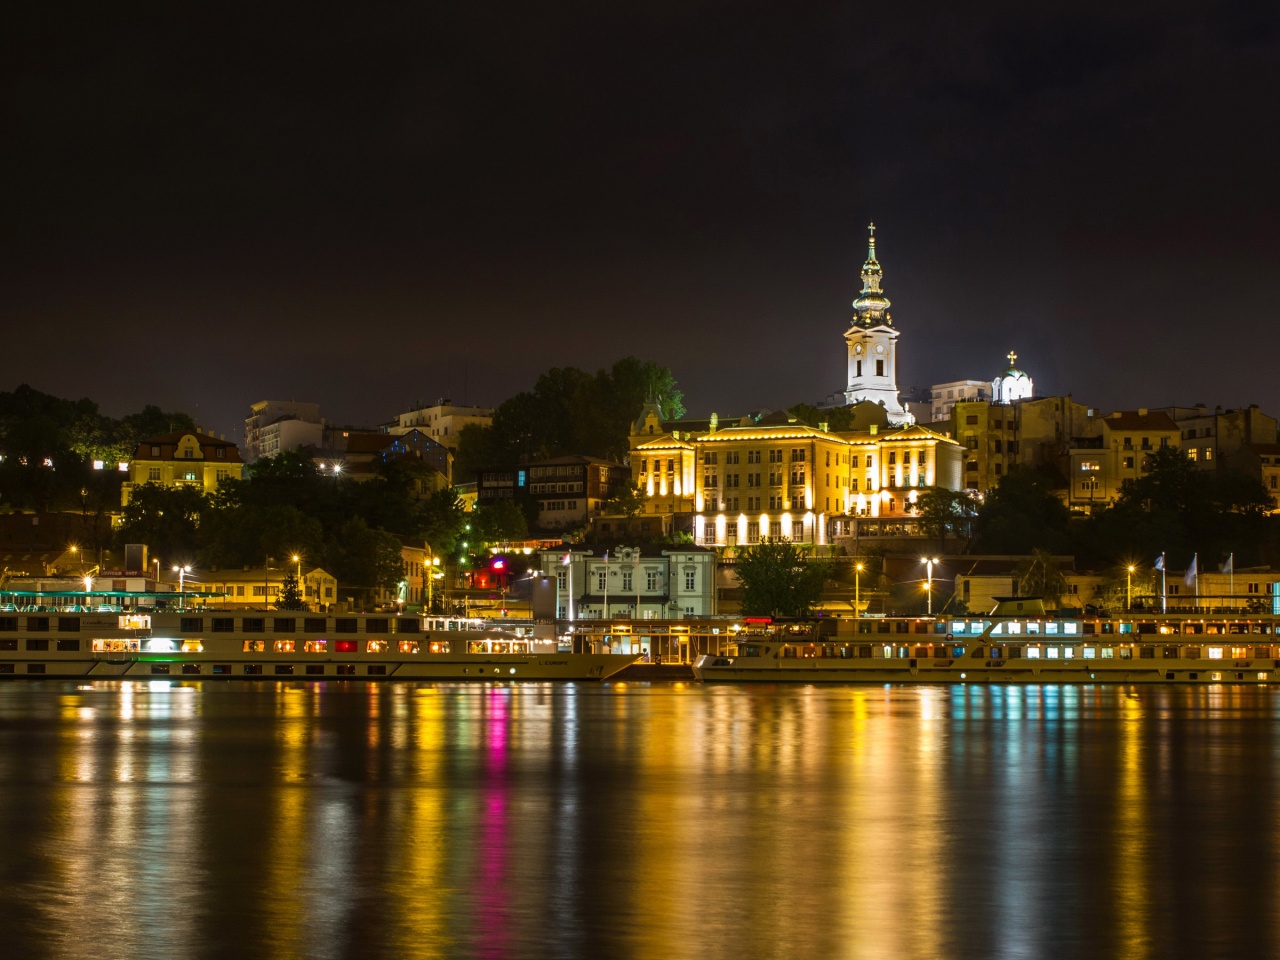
{"points": [[166, 519], [627, 502], [364, 559], [1039, 576], [1021, 514], [290, 597], [945, 512], [777, 580], [501, 522]]}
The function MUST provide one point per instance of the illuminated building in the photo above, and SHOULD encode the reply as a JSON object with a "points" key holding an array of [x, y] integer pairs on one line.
{"points": [[183, 459], [777, 477], [872, 342], [1011, 385], [569, 491], [650, 582]]}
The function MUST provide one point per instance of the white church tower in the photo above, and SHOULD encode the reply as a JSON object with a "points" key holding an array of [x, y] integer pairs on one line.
{"points": [[873, 344]]}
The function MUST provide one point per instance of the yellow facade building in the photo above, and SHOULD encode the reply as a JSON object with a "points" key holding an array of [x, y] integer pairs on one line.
{"points": [[778, 477], [183, 459]]}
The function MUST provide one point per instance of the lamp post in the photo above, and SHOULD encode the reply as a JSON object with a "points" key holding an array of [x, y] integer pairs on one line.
{"points": [[928, 586], [857, 589], [182, 583], [1128, 588]]}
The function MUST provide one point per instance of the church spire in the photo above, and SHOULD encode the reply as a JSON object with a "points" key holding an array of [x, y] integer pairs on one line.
{"points": [[871, 270], [872, 306]]}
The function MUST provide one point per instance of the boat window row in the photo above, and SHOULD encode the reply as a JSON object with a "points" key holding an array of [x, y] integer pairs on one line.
{"points": [[169, 645], [1035, 651], [133, 621], [309, 625]]}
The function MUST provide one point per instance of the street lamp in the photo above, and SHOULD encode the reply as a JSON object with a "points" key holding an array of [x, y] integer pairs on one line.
{"points": [[928, 587], [857, 588], [1128, 588], [182, 582]]}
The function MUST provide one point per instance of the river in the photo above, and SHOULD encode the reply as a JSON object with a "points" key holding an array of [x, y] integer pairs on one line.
{"points": [[636, 820]]}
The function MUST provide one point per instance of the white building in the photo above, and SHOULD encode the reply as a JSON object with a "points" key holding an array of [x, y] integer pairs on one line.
{"points": [[944, 396], [274, 426], [441, 421], [1013, 384], [651, 582], [872, 343]]}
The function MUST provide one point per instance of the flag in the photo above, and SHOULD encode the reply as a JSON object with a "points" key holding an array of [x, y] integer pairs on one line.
{"points": [[1190, 578], [1160, 562], [567, 559], [1229, 566]]}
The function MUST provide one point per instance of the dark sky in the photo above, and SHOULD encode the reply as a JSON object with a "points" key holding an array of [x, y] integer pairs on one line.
{"points": [[208, 205]]}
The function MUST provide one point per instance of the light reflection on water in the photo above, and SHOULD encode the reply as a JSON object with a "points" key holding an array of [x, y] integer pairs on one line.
{"points": [[637, 821]]}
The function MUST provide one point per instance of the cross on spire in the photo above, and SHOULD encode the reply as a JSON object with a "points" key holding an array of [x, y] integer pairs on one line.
{"points": [[1012, 358], [872, 228]]}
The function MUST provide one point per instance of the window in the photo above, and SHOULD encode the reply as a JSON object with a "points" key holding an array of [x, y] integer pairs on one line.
{"points": [[868, 461], [562, 579], [797, 454], [651, 581], [691, 578], [879, 368], [775, 456], [344, 625], [775, 502], [753, 480], [254, 625], [753, 456], [857, 368], [1128, 463], [153, 474], [68, 624], [731, 456], [627, 581], [797, 475], [191, 624], [709, 458], [893, 457], [731, 503], [730, 479], [601, 580], [753, 503]]}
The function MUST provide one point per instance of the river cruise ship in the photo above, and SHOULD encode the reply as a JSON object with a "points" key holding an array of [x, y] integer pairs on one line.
{"points": [[1018, 643], [61, 638]]}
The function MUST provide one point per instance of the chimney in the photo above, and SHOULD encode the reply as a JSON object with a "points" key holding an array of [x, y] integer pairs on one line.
{"points": [[823, 426], [715, 422], [874, 428]]}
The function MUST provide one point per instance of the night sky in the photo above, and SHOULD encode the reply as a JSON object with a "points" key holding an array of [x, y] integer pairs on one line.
{"points": [[208, 205]]}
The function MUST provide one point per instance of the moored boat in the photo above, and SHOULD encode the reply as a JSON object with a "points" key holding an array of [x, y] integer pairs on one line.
{"points": [[1007, 646], [257, 644]]}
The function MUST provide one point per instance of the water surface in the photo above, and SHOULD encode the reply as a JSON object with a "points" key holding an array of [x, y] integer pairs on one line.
{"points": [[395, 820]]}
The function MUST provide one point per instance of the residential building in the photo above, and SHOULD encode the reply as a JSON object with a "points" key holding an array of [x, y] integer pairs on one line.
{"points": [[570, 490], [442, 421], [1129, 438], [944, 396], [650, 582], [357, 454], [1209, 437], [183, 459], [274, 426], [260, 587]]}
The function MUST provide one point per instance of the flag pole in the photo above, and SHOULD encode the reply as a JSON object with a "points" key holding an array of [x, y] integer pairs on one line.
{"points": [[1164, 593], [1231, 569]]}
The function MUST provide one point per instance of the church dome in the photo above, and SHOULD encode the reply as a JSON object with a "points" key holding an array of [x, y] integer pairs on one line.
{"points": [[1013, 384]]}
